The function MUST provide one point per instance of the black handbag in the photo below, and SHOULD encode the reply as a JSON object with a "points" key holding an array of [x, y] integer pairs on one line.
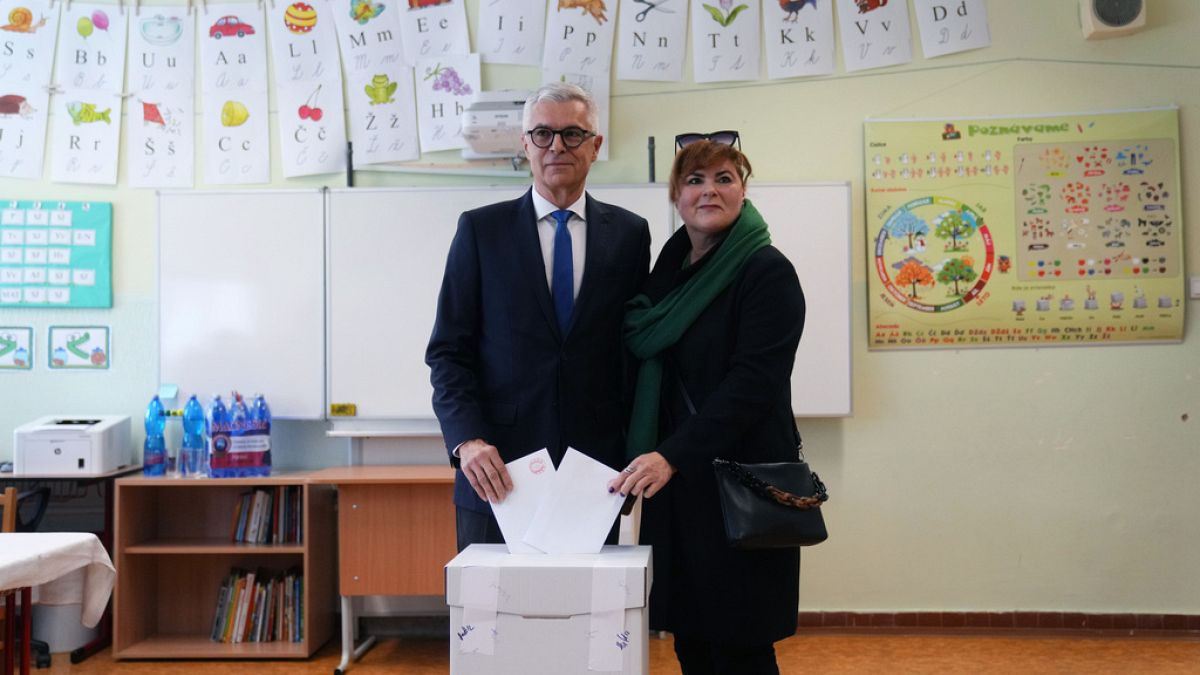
{"points": [[776, 505]]}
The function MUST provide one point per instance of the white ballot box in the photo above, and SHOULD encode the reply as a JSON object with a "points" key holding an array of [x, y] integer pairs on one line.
{"points": [[551, 614]]}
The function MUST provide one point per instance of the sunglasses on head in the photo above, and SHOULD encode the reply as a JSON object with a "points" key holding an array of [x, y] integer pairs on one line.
{"points": [[727, 137]]}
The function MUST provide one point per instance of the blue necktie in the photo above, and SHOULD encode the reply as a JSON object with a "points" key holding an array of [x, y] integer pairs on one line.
{"points": [[562, 275]]}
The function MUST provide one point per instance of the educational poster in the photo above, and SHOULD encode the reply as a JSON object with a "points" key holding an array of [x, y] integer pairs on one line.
{"points": [[55, 254], [1054, 230], [579, 36], [951, 27], [652, 40], [433, 28], [599, 88], [308, 87], [16, 348], [725, 40], [510, 31], [379, 86], [26, 60], [90, 70], [161, 114], [444, 87], [79, 348], [799, 38], [874, 33], [233, 86]]}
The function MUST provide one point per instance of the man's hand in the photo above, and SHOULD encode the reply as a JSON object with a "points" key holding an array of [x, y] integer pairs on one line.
{"points": [[485, 471]]}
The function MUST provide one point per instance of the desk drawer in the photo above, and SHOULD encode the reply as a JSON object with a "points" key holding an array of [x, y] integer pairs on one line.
{"points": [[395, 539]]}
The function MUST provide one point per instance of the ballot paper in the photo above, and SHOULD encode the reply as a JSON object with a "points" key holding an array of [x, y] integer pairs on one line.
{"points": [[579, 511], [532, 476]]}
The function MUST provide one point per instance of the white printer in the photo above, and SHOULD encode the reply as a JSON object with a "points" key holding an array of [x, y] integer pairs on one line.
{"points": [[61, 445]]}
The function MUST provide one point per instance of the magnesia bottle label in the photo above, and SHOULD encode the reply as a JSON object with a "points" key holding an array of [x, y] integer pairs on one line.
{"points": [[240, 444]]}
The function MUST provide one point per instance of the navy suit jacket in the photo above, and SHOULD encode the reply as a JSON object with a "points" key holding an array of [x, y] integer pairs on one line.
{"points": [[501, 370]]}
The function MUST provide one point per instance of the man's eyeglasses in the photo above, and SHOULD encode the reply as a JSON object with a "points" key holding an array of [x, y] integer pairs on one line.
{"points": [[727, 137], [572, 137]]}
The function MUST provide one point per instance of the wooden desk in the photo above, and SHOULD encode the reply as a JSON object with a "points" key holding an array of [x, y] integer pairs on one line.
{"points": [[396, 532]]}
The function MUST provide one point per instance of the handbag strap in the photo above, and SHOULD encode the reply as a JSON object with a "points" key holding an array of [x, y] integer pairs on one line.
{"points": [[768, 491]]}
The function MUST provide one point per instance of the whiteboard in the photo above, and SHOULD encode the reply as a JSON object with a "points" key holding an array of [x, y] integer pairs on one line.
{"points": [[241, 296], [810, 224], [387, 253]]}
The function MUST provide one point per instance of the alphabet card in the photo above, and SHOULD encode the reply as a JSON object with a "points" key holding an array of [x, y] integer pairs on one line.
{"points": [[951, 26], [651, 40], [379, 86], [599, 87], [433, 28], [725, 40], [91, 48], [510, 31], [79, 348], [579, 37], [444, 87], [26, 58], [90, 70], [312, 124], [800, 38], [161, 115], [16, 348], [233, 84], [875, 33]]}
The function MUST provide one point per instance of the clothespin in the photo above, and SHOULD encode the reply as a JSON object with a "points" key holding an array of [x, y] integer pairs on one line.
{"points": [[204, 4], [121, 7], [137, 7]]}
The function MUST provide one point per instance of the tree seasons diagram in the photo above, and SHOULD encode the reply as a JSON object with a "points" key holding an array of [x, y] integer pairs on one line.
{"points": [[934, 254], [1041, 230]]}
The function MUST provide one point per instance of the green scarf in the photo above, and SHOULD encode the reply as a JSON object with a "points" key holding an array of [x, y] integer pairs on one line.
{"points": [[650, 329]]}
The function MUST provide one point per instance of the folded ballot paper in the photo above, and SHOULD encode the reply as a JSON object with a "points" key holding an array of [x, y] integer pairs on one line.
{"points": [[565, 511]]}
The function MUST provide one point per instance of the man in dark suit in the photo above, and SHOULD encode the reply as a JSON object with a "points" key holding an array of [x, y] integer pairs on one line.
{"points": [[526, 349]]}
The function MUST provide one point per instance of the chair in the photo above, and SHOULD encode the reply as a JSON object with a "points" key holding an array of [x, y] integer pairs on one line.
{"points": [[9, 505], [8, 523]]}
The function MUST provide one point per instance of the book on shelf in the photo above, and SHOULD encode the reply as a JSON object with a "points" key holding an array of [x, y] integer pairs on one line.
{"points": [[259, 606], [268, 516]]}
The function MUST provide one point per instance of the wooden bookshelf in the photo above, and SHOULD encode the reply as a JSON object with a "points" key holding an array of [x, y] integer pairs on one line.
{"points": [[172, 549]]}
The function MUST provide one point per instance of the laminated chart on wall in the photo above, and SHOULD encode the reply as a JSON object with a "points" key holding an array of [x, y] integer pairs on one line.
{"points": [[1032, 231], [55, 254]]}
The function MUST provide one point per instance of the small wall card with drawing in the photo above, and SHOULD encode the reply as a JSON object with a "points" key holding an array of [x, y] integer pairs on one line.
{"points": [[55, 254], [16, 348], [79, 348]]}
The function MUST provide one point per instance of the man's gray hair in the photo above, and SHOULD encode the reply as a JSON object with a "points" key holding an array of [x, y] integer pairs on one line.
{"points": [[562, 92]]}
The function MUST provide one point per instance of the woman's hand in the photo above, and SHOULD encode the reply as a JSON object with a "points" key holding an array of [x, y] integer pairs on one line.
{"points": [[646, 475]]}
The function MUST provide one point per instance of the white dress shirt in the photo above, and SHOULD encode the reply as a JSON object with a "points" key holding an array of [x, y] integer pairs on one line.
{"points": [[576, 226]]}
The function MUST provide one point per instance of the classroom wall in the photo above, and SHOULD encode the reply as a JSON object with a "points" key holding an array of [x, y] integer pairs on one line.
{"points": [[966, 480]]}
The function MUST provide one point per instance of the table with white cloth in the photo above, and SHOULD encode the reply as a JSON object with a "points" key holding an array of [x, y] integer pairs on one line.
{"points": [[59, 568]]}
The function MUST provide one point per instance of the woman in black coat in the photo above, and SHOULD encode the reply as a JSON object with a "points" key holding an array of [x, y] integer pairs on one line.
{"points": [[716, 334]]}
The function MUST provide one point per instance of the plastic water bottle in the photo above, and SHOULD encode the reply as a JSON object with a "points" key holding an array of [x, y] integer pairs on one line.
{"points": [[191, 452], [239, 423], [260, 416], [154, 452], [216, 432]]}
